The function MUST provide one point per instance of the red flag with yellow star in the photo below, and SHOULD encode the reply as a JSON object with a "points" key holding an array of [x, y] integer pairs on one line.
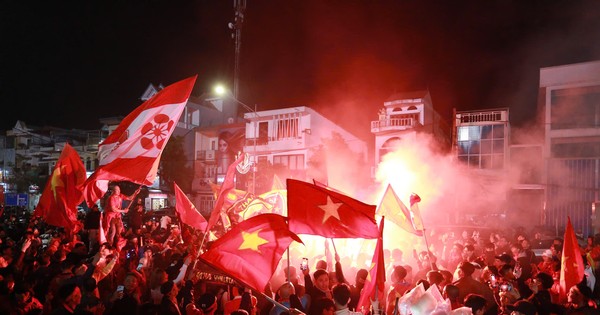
{"points": [[571, 270], [321, 211], [251, 250], [374, 288], [63, 191]]}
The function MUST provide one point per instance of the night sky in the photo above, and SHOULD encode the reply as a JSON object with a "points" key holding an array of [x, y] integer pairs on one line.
{"points": [[69, 63]]}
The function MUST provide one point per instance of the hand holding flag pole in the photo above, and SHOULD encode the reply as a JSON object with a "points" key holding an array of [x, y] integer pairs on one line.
{"points": [[417, 222], [133, 196], [335, 253]]}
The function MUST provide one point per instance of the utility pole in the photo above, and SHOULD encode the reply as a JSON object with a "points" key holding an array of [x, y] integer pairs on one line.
{"points": [[236, 26]]}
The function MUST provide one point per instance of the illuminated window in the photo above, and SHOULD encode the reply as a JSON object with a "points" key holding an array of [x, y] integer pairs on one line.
{"points": [[481, 146]]}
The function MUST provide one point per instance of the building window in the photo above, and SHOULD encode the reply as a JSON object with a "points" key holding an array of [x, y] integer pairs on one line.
{"points": [[263, 133], [482, 146], [575, 108], [292, 162], [576, 150], [287, 126]]}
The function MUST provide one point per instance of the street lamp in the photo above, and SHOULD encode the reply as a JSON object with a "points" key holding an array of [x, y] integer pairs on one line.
{"points": [[223, 91]]}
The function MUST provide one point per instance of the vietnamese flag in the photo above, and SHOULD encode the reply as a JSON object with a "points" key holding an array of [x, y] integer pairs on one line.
{"points": [[188, 213], [571, 269], [132, 151], [251, 250], [374, 288], [62, 194], [394, 210], [320, 211]]}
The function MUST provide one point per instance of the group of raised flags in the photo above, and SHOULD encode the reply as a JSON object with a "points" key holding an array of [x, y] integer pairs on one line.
{"points": [[252, 248]]}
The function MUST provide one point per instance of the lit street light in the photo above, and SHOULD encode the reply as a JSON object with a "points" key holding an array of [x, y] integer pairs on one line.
{"points": [[222, 91]]}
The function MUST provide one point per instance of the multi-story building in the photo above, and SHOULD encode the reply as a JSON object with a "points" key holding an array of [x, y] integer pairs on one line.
{"points": [[283, 140], [569, 99], [481, 144], [288, 137], [36, 149], [406, 115]]}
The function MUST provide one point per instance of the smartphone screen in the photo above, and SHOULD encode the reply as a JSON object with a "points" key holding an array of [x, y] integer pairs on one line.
{"points": [[304, 264]]}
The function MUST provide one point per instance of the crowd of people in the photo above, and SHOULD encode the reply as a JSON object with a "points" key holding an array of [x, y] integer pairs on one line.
{"points": [[149, 267]]}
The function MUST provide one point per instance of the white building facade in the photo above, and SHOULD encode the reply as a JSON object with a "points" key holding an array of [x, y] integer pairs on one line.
{"points": [[569, 98]]}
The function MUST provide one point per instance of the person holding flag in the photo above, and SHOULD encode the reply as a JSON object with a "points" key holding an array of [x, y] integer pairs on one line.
{"points": [[112, 214]]}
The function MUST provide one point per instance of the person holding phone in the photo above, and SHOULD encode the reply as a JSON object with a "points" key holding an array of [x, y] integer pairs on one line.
{"points": [[126, 298], [320, 288]]}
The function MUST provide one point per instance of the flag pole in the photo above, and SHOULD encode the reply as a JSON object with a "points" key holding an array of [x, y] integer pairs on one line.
{"points": [[288, 264], [416, 213], [427, 245], [333, 243]]}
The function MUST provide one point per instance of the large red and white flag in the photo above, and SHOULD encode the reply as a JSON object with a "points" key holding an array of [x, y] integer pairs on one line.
{"points": [[62, 194], [132, 152], [187, 211]]}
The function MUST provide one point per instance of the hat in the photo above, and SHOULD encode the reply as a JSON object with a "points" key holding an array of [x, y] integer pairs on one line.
{"points": [[523, 307], [505, 258], [547, 253], [207, 301]]}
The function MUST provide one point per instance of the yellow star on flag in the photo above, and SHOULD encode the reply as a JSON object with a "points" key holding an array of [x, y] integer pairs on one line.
{"points": [[370, 270], [252, 241], [331, 209], [56, 180]]}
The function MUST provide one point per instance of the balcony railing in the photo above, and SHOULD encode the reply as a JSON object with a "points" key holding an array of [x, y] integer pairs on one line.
{"points": [[392, 124], [476, 117]]}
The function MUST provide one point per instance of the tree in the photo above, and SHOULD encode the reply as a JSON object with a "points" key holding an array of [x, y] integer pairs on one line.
{"points": [[27, 175], [173, 166]]}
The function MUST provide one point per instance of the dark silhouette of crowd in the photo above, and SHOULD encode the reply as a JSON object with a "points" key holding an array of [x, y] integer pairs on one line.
{"points": [[150, 269]]}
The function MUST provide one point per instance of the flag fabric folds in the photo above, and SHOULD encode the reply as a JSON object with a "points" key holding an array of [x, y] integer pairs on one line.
{"points": [[226, 187], [571, 270], [394, 210], [374, 288], [415, 213], [188, 213], [277, 183], [251, 250], [320, 211], [132, 151], [62, 194]]}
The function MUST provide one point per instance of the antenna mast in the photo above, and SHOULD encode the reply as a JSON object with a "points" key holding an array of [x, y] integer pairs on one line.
{"points": [[236, 26]]}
